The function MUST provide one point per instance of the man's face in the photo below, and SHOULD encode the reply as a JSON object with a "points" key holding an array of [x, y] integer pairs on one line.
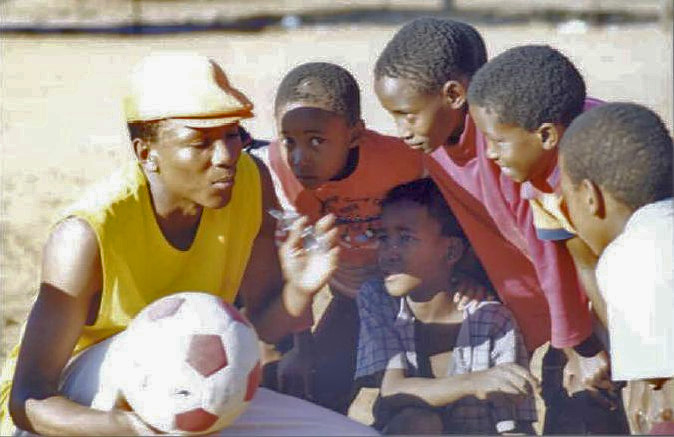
{"points": [[314, 142], [515, 150], [424, 121], [197, 165], [578, 212], [412, 251]]}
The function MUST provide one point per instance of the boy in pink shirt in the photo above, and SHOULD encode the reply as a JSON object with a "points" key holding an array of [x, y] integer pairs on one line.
{"points": [[422, 78], [522, 101]]}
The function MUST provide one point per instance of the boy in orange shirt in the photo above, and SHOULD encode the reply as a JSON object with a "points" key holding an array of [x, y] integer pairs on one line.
{"points": [[326, 161]]}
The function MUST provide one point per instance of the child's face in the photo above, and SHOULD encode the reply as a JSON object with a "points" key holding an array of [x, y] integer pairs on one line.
{"points": [[314, 142], [413, 254], [518, 152], [579, 214], [424, 121]]}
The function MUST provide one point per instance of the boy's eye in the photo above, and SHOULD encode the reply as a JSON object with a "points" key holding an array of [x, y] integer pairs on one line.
{"points": [[287, 142], [316, 141]]}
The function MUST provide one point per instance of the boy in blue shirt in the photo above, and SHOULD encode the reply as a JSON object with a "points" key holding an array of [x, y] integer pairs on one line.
{"points": [[440, 369]]}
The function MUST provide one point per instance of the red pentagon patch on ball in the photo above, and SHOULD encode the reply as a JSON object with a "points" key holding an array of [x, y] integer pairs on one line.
{"points": [[164, 308], [195, 420], [206, 354], [254, 378]]}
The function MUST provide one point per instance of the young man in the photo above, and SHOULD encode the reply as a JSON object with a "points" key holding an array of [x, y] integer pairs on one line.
{"points": [[186, 214], [522, 101], [616, 163], [421, 78], [440, 369]]}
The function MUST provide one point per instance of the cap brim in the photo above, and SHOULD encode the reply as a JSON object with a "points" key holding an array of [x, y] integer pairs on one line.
{"points": [[204, 123]]}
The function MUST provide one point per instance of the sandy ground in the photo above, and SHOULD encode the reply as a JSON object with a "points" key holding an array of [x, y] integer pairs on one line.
{"points": [[62, 127]]}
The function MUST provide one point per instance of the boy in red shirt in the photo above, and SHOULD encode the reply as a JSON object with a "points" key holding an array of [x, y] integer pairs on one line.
{"points": [[522, 101], [421, 78]]}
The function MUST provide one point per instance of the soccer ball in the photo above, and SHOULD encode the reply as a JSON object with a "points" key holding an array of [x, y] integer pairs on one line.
{"points": [[192, 363]]}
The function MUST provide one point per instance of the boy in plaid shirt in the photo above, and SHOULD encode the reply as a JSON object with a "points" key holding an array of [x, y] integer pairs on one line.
{"points": [[440, 369]]}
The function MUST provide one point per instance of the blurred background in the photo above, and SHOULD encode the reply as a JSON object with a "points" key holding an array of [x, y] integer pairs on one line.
{"points": [[63, 65]]}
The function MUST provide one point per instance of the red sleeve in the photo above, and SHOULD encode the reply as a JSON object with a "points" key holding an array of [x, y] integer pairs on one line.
{"points": [[570, 317]]}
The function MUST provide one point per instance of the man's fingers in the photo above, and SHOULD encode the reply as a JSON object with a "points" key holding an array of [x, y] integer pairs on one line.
{"points": [[325, 223], [294, 240], [328, 239]]}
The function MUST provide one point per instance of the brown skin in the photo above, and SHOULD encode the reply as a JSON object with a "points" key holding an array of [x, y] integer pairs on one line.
{"points": [[418, 261], [600, 218], [199, 164], [597, 216], [522, 155], [424, 121], [315, 142], [525, 155]]}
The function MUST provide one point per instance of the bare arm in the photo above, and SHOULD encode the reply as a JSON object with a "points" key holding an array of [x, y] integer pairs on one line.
{"points": [[437, 392], [586, 262], [274, 307], [71, 277]]}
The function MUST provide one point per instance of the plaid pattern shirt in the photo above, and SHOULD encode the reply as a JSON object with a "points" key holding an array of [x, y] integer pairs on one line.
{"points": [[488, 336]]}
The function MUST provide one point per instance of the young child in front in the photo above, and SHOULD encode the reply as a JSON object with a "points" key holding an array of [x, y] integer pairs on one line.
{"points": [[326, 161], [421, 79], [439, 369], [616, 179], [522, 101]]}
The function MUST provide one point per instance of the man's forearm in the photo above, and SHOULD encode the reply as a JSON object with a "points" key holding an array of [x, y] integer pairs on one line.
{"points": [[585, 262], [57, 415], [290, 312]]}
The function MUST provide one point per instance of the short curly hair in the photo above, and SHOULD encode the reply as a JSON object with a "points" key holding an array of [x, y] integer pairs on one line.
{"points": [[324, 84], [625, 148], [431, 51], [425, 193], [529, 85]]}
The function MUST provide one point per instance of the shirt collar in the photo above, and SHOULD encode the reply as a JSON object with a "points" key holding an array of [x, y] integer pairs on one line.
{"points": [[646, 212], [528, 191]]}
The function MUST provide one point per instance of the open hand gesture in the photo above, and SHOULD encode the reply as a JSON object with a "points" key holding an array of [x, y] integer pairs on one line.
{"points": [[309, 260]]}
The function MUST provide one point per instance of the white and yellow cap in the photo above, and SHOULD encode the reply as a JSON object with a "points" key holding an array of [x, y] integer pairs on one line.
{"points": [[184, 86]]}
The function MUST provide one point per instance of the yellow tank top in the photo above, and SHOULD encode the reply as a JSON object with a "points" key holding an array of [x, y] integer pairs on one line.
{"points": [[140, 266]]}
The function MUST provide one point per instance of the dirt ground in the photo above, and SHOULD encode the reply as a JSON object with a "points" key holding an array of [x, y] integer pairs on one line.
{"points": [[62, 124]]}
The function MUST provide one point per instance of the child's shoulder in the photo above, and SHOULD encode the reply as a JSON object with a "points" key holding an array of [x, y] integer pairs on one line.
{"points": [[374, 139], [491, 313], [391, 153]]}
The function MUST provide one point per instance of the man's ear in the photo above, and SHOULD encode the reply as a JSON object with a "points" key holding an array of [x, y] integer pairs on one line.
{"points": [[593, 198], [356, 133], [146, 157], [454, 94], [550, 134], [455, 250]]}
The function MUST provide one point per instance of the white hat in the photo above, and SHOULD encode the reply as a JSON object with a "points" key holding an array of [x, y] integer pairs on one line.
{"points": [[188, 87]]}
